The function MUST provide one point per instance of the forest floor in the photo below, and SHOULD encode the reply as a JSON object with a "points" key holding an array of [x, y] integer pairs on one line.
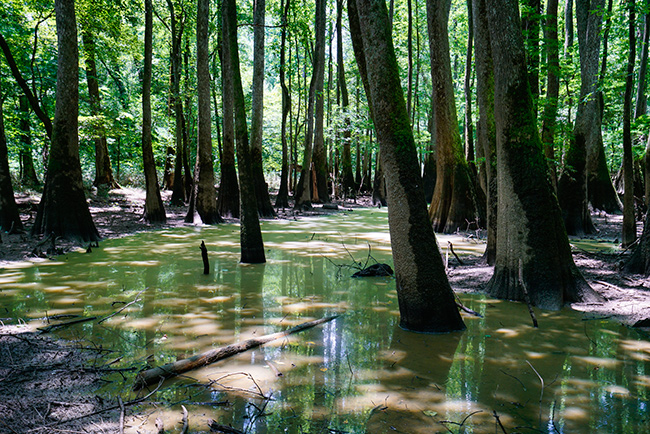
{"points": [[45, 382]]}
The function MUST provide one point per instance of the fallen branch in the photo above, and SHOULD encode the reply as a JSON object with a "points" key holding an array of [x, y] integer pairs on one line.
{"points": [[64, 324], [186, 423], [204, 256], [121, 309], [152, 376], [224, 429]]}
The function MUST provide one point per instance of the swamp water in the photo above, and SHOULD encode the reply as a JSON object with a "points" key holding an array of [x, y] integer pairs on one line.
{"points": [[359, 373]]}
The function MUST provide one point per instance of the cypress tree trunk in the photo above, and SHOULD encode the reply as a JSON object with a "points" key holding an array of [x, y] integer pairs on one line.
{"points": [[103, 170], [228, 199], [282, 200], [178, 189], [302, 192], [204, 194], [252, 245], [154, 210], [549, 116], [319, 157], [486, 129], [641, 98], [348, 183], [639, 261], [454, 200], [9, 217], [264, 206], [629, 221], [63, 210], [429, 171], [531, 234], [425, 298], [600, 191], [28, 177], [469, 128]]}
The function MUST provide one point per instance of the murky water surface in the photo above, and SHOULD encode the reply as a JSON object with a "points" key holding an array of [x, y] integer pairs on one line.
{"points": [[359, 373]]}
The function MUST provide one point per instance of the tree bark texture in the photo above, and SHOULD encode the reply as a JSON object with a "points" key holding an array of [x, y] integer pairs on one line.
{"points": [[28, 177], [228, 198], [103, 170], [639, 261], [282, 199], [205, 195], [154, 210], [9, 216], [529, 218], [302, 192], [588, 126], [63, 209], [549, 115], [348, 183], [629, 221], [319, 156], [486, 129], [176, 25], [264, 206], [252, 245], [454, 200], [425, 298], [641, 107]]}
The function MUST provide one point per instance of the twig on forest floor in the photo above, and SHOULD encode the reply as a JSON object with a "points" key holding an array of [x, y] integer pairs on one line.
{"points": [[122, 308], [95, 413]]}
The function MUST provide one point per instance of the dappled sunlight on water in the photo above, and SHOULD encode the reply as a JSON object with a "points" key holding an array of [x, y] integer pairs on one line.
{"points": [[358, 373]]}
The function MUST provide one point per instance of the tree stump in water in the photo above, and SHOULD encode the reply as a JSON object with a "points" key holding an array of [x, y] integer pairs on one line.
{"points": [[204, 256], [375, 270]]}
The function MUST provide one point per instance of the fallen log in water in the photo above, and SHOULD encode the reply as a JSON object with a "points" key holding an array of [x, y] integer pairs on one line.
{"points": [[154, 375]]}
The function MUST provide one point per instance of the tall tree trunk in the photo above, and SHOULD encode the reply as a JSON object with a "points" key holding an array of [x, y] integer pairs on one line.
{"points": [[154, 210], [22, 83], [264, 206], [178, 189], [639, 261], [469, 128], [530, 18], [486, 129], [282, 199], [600, 190], [532, 242], [454, 200], [629, 221], [28, 177], [409, 50], [425, 298], [347, 177], [251, 243], [429, 161], [9, 216], [103, 170], [303, 191], [572, 183], [228, 199], [319, 157], [63, 209], [641, 107], [204, 194], [549, 116]]}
